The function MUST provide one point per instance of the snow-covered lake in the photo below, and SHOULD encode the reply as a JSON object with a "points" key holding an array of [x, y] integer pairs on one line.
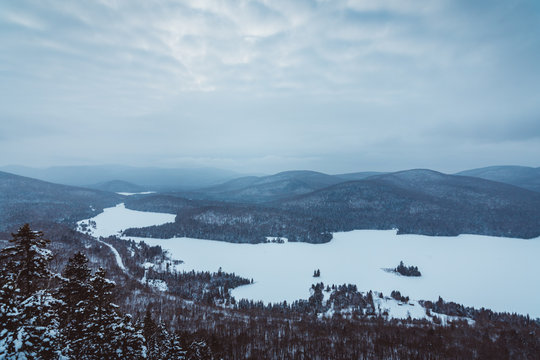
{"points": [[481, 271]]}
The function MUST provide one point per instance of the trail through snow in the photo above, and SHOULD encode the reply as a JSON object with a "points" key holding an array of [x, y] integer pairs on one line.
{"points": [[116, 255]]}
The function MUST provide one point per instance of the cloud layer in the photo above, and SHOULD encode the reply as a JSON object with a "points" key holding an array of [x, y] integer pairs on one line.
{"points": [[271, 85]]}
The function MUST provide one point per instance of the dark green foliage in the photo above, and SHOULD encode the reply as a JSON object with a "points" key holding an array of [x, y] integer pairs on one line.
{"points": [[397, 296], [199, 350], [77, 320], [27, 258], [236, 223], [28, 322], [407, 270], [160, 343]]}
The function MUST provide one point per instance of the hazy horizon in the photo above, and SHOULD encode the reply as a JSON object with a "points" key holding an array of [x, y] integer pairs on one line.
{"points": [[239, 173], [268, 86]]}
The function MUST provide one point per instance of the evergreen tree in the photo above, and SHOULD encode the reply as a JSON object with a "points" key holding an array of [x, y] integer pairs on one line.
{"points": [[151, 335], [173, 348], [28, 259], [28, 321], [128, 342], [75, 292], [160, 344], [111, 336], [79, 322], [199, 350]]}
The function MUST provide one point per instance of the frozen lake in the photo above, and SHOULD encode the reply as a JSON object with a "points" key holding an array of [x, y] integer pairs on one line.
{"points": [[481, 271]]}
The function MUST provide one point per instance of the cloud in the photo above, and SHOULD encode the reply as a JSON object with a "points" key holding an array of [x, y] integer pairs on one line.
{"points": [[401, 80]]}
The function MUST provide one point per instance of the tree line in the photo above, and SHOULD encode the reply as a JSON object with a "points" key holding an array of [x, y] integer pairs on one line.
{"points": [[72, 315]]}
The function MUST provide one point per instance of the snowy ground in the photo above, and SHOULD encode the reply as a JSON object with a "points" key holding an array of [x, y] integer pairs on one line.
{"points": [[114, 220], [481, 271], [136, 193]]}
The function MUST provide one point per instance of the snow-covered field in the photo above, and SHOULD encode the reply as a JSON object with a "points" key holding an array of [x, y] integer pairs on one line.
{"points": [[481, 271], [116, 219]]}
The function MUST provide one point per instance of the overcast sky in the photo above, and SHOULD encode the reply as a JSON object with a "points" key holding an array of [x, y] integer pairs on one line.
{"points": [[265, 86]]}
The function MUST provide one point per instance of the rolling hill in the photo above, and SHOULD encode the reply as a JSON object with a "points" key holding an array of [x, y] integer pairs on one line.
{"points": [[167, 179], [23, 199], [253, 189], [414, 201], [522, 176], [118, 186], [425, 202]]}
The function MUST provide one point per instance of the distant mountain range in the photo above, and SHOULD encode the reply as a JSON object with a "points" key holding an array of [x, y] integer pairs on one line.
{"points": [[118, 186], [425, 202], [261, 189], [147, 177], [300, 205], [522, 176], [414, 201], [254, 189], [223, 185]]}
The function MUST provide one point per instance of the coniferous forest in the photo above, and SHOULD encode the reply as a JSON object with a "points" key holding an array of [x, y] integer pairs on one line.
{"points": [[79, 313], [269, 180]]}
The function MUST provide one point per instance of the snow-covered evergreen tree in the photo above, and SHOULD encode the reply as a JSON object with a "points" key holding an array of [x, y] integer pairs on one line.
{"points": [[76, 321], [111, 336], [28, 259], [28, 321], [199, 350], [173, 348], [160, 344], [75, 292]]}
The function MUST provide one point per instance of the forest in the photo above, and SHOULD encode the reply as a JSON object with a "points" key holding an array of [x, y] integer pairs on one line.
{"points": [[81, 307]]}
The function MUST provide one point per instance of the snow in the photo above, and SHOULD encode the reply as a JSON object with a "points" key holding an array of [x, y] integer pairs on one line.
{"points": [[274, 239], [394, 309], [136, 193], [112, 220], [148, 265], [481, 271], [157, 284], [116, 255], [115, 219]]}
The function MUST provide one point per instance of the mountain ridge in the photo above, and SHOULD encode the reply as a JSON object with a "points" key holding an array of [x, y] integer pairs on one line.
{"points": [[522, 176]]}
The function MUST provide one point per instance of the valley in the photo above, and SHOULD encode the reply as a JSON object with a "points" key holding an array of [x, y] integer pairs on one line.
{"points": [[309, 267], [479, 271]]}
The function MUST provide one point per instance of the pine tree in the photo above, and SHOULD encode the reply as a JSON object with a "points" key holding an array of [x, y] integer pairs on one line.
{"points": [[28, 259], [28, 322], [199, 350], [151, 335], [75, 292], [149, 325], [173, 348], [109, 332], [128, 341], [160, 344]]}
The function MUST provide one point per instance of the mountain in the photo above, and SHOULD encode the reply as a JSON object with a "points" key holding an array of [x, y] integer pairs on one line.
{"points": [[254, 189], [23, 199], [118, 186], [425, 202], [152, 177], [358, 175], [414, 201], [522, 176]]}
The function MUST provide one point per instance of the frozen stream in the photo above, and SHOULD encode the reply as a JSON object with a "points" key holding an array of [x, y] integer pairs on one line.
{"points": [[481, 271]]}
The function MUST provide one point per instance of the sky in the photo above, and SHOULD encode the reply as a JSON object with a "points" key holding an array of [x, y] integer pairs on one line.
{"points": [[266, 86]]}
